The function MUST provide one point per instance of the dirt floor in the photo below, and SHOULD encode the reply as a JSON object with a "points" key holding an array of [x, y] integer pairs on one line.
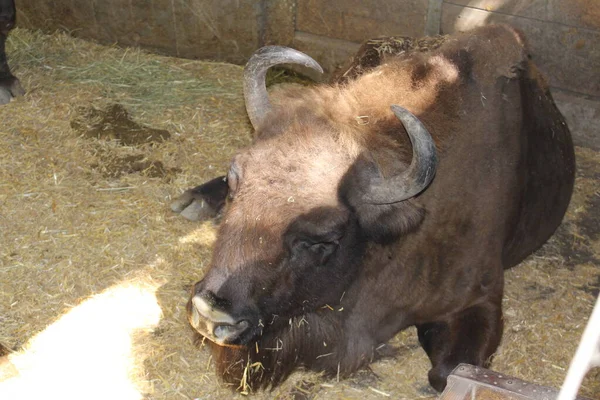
{"points": [[95, 269]]}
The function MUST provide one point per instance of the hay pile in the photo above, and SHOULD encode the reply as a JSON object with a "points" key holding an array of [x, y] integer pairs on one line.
{"points": [[82, 215]]}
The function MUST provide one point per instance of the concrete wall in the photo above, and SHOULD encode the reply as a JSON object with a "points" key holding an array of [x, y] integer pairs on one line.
{"points": [[564, 34]]}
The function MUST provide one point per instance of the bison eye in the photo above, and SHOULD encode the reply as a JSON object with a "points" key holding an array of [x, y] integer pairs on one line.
{"points": [[313, 238], [314, 252], [324, 250]]}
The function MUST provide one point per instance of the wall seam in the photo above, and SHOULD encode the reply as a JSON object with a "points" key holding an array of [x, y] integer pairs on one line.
{"points": [[261, 22], [175, 27], [433, 19]]}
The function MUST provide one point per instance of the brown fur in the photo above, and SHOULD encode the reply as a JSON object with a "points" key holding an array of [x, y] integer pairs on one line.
{"points": [[503, 182]]}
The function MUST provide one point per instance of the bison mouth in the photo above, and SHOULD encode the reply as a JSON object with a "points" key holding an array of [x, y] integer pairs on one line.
{"points": [[217, 325]]}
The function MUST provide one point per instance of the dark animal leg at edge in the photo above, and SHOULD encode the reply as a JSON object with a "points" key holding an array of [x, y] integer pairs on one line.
{"points": [[202, 202], [472, 337], [9, 84]]}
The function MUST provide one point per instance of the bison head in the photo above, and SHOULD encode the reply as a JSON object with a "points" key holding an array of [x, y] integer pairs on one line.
{"points": [[304, 201]]}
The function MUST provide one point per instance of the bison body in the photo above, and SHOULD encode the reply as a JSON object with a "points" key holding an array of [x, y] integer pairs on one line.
{"points": [[9, 85], [347, 220]]}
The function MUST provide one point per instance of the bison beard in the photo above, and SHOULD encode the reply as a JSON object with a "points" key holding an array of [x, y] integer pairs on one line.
{"points": [[305, 341], [334, 237]]}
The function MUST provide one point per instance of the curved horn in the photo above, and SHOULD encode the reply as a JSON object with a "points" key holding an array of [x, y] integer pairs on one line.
{"points": [[255, 90], [420, 172]]}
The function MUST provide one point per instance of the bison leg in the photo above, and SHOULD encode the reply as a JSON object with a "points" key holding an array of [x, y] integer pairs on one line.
{"points": [[9, 85], [202, 202], [471, 336]]}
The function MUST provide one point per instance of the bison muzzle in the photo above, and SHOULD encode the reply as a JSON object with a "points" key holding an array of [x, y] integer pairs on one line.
{"points": [[392, 199]]}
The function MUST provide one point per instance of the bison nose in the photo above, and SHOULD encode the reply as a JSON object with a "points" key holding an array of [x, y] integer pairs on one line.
{"points": [[209, 318]]}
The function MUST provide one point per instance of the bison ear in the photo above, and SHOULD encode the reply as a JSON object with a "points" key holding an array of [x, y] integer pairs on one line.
{"points": [[381, 223]]}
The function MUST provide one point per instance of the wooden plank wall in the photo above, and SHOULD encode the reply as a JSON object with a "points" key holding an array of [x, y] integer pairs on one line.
{"points": [[564, 34]]}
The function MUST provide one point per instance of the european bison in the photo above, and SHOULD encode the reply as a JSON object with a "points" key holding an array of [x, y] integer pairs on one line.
{"points": [[9, 85], [395, 198]]}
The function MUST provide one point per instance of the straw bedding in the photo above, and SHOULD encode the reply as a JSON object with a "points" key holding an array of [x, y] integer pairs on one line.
{"points": [[90, 159]]}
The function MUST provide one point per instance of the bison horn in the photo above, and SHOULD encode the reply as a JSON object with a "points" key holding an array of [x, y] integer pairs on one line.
{"points": [[420, 172], [255, 72]]}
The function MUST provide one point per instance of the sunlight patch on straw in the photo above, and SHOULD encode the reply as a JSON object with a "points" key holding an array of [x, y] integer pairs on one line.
{"points": [[89, 352]]}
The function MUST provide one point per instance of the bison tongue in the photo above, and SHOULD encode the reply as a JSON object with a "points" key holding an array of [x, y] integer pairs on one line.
{"points": [[227, 332]]}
